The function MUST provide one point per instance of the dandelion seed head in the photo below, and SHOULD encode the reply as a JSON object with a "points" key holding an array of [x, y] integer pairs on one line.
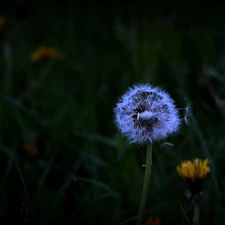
{"points": [[145, 114]]}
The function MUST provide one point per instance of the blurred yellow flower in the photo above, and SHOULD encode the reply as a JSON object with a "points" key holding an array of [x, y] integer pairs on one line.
{"points": [[44, 52], [31, 147], [153, 220], [2, 21], [194, 170]]}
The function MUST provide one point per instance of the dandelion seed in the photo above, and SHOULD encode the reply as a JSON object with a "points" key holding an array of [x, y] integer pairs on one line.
{"points": [[145, 114], [166, 143], [187, 113]]}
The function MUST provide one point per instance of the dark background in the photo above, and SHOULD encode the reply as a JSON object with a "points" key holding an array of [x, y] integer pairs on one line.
{"points": [[80, 170]]}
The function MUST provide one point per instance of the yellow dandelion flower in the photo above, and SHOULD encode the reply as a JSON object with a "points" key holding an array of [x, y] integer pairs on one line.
{"points": [[2, 21], [194, 170], [153, 220], [44, 52]]}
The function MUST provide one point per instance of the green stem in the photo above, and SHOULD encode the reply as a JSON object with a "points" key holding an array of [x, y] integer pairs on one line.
{"points": [[196, 215], [146, 184]]}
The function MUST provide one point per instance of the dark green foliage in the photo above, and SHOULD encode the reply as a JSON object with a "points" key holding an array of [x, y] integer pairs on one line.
{"points": [[85, 172]]}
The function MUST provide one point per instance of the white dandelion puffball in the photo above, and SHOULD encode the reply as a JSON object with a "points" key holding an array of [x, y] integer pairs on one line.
{"points": [[145, 114]]}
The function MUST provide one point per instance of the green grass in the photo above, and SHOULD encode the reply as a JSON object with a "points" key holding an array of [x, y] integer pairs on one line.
{"points": [[85, 172]]}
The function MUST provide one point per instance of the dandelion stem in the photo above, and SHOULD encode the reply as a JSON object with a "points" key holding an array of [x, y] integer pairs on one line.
{"points": [[196, 215], [146, 184]]}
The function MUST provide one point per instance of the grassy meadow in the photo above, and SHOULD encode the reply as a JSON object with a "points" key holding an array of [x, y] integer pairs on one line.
{"points": [[62, 70]]}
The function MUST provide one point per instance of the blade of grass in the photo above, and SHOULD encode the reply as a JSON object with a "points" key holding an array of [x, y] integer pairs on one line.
{"points": [[6, 150], [45, 174], [97, 183], [185, 215], [207, 154], [4, 185], [61, 192], [18, 105], [58, 198], [98, 138], [34, 215]]}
